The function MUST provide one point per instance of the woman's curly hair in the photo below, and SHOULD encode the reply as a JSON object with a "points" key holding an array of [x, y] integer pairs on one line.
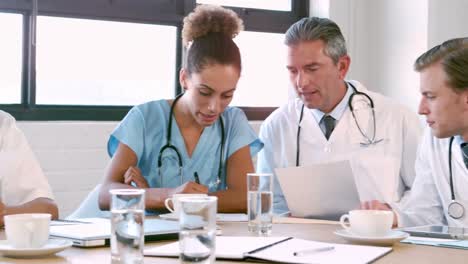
{"points": [[208, 34], [207, 19]]}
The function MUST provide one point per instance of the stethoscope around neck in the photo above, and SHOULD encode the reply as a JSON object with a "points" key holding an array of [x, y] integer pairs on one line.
{"points": [[169, 145], [455, 209], [368, 141]]}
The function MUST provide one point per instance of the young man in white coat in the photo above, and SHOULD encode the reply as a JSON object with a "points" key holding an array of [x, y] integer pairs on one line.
{"points": [[382, 162], [23, 186], [440, 191]]}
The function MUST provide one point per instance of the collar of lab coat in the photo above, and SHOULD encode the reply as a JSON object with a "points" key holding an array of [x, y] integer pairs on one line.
{"points": [[339, 109]]}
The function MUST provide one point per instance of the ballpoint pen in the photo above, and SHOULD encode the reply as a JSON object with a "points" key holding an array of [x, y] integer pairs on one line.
{"points": [[197, 179], [312, 250]]}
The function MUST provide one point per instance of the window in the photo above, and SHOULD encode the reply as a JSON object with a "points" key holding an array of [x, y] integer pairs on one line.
{"points": [[264, 70], [11, 55], [283, 5], [103, 63], [94, 59]]}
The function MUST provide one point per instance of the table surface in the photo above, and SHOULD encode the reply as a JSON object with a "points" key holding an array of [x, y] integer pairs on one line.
{"points": [[402, 253]]}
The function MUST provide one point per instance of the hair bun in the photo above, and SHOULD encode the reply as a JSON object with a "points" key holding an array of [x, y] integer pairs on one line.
{"points": [[207, 19]]}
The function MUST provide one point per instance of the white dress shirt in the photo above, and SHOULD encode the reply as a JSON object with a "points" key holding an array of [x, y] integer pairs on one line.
{"points": [[21, 177]]}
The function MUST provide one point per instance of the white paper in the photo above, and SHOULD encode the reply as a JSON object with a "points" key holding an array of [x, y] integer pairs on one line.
{"points": [[219, 217], [227, 247], [232, 218], [342, 253], [324, 191], [98, 227]]}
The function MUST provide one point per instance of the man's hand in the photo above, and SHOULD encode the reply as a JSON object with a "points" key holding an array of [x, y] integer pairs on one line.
{"points": [[377, 205], [133, 174], [2, 213]]}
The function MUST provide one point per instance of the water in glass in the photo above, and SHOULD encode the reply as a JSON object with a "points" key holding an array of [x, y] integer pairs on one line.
{"points": [[260, 208], [127, 240], [199, 246]]}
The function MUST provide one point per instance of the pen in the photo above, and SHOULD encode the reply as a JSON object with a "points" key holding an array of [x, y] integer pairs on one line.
{"points": [[197, 180], [312, 250]]}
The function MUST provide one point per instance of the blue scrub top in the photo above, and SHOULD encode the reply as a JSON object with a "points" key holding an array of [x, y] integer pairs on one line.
{"points": [[144, 130]]}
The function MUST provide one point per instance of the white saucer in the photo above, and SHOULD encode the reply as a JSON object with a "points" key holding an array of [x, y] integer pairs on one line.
{"points": [[388, 240], [52, 246], [169, 216]]}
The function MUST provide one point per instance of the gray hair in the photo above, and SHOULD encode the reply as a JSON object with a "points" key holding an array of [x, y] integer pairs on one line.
{"points": [[315, 28], [453, 56]]}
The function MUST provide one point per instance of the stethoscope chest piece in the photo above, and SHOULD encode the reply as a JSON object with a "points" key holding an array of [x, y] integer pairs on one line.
{"points": [[456, 210]]}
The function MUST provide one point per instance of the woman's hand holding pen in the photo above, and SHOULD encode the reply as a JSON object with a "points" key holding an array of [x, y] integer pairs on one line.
{"points": [[133, 174], [190, 187]]}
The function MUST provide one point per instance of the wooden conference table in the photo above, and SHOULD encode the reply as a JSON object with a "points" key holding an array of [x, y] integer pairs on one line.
{"points": [[313, 230]]}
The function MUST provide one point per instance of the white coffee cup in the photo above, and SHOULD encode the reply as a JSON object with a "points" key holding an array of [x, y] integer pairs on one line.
{"points": [[27, 230], [368, 223], [175, 201]]}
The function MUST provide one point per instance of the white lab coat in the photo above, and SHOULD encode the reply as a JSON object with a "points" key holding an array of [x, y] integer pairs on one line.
{"points": [[21, 177], [430, 195], [382, 172]]}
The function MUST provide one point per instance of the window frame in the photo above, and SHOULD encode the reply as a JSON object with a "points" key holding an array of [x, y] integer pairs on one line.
{"points": [[161, 12]]}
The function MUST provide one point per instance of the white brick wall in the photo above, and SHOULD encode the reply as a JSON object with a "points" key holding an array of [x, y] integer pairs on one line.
{"points": [[73, 156]]}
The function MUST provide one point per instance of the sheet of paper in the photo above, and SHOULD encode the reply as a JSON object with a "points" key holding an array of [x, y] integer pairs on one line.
{"points": [[324, 191], [341, 253], [296, 220], [232, 218], [99, 227], [227, 247]]}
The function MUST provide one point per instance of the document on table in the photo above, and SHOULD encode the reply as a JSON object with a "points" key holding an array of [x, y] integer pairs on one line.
{"points": [[232, 217], [280, 249], [297, 220]]}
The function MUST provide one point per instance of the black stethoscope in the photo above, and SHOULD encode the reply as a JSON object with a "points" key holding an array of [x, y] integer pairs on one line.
{"points": [[368, 142], [455, 209], [169, 145]]}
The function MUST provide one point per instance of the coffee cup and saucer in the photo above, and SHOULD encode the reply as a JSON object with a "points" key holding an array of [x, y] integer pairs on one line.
{"points": [[370, 227], [173, 204], [28, 236]]}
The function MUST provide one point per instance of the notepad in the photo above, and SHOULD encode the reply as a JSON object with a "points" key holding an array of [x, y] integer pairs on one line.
{"points": [[279, 249]]}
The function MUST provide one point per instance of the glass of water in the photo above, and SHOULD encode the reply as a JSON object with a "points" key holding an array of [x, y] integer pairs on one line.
{"points": [[127, 233], [260, 202], [197, 238]]}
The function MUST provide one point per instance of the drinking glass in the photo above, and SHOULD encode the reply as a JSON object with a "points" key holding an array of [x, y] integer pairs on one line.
{"points": [[197, 238], [127, 232], [260, 202]]}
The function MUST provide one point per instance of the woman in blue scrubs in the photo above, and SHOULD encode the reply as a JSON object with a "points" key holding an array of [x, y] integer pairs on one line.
{"points": [[194, 143]]}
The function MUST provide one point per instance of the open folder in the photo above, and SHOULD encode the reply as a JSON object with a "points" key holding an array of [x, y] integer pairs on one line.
{"points": [[280, 249]]}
